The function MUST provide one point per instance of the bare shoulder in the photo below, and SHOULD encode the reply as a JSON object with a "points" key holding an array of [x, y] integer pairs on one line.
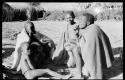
{"points": [[25, 56]]}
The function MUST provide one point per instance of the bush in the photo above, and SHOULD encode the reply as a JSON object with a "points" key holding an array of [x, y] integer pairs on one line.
{"points": [[10, 14], [19, 15], [7, 12], [110, 14], [55, 15], [40, 13], [22, 14]]}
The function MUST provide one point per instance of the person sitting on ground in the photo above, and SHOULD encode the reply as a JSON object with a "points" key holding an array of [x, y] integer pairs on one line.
{"points": [[28, 70], [25, 35], [70, 43]]}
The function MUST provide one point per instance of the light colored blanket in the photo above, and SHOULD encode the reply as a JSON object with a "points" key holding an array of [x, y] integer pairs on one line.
{"points": [[96, 51]]}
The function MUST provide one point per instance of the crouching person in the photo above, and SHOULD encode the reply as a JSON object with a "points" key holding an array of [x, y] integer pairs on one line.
{"points": [[28, 70]]}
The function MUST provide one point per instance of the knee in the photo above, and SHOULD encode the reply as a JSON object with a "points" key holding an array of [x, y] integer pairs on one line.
{"points": [[28, 75]]}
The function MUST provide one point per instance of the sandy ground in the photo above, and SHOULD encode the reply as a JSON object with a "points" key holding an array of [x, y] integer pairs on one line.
{"points": [[53, 29]]}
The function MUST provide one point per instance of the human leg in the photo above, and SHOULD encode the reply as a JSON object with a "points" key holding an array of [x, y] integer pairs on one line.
{"points": [[31, 74], [55, 74], [70, 62], [16, 61], [77, 59]]}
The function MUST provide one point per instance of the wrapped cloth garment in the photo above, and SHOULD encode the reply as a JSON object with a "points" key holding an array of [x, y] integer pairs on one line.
{"points": [[96, 52], [23, 37]]}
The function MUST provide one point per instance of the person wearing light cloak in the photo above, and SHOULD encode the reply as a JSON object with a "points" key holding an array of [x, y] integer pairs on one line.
{"points": [[95, 47]]}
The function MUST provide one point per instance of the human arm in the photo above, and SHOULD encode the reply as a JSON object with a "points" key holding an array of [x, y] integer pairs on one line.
{"points": [[29, 63], [17, 53], [16, 61], [60, 46]]}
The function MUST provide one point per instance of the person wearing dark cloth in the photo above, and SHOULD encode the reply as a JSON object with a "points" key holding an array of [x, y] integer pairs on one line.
{"points": [[95, 47], [25, 35], [26, 65], [33, 57]]}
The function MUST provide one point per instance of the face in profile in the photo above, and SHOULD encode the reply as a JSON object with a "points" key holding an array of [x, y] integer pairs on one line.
{"points": [[69, 18], [82, 22], [30, 29]]}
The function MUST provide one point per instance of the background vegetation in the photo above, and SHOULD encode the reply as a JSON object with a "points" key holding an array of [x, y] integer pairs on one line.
{"points": [[108, 11]]}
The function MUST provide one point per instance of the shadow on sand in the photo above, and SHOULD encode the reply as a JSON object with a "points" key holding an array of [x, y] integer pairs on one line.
{"points": [[115, 70], [117, 67]]}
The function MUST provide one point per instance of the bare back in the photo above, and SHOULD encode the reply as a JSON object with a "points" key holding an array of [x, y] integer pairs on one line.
{"points": [[24, 64]]}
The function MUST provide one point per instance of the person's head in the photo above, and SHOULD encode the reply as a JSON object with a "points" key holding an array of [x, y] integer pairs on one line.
{"points": [[70, 16], [24, 48], [86, 19], [29, 27]]}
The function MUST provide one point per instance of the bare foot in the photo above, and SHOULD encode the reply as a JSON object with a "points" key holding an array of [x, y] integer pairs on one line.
{"points": [[78, 77], [63, 77], [66, 76]]}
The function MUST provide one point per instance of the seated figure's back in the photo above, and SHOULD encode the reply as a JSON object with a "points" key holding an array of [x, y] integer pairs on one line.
{"points": [[38, 55]]}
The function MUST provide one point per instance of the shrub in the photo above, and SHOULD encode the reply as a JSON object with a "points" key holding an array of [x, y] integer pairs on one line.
{"points": [[19, 15], [10, 14], [114, 14], [55, 15], [7, 12]]}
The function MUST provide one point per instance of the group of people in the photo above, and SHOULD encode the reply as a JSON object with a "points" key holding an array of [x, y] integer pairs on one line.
{"points": [[87, 46]]}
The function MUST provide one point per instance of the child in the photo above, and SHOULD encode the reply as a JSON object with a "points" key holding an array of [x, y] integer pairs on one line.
{"points": [[71, 44], [28, 69]]}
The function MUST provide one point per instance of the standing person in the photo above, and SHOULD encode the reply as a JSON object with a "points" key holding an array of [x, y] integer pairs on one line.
{"points": [[69, 42], [95, 46], [25, 35]]}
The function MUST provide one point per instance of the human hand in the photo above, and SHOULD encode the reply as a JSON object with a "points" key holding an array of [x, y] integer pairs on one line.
{"points": [[67, 46]]}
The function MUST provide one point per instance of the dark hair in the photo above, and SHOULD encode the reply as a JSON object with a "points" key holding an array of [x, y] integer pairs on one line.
{"points": [[71, 13], [89, 17], [31, 26]]}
